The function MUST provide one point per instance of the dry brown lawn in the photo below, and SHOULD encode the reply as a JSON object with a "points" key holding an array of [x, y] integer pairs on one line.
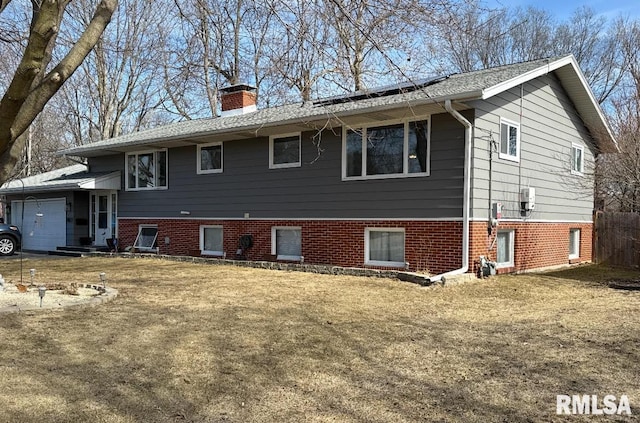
{"points": [[199, 343]]}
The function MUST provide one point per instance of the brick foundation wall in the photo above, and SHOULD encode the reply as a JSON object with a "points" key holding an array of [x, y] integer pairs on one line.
{"points": [[537, 245], [430, 246]]}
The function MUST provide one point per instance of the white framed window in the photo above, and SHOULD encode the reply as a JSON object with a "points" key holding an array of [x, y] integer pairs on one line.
{"points": [[577, 159], [384, 247], [396, 149], [211, 240], [210, 158], [284, 151], [574, 243], [146, 170], [509, 140], [146, 239], [505, 248], [286, 242]]}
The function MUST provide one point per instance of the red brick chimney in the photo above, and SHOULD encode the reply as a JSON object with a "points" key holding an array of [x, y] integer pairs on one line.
{"points": [[238, 99]]}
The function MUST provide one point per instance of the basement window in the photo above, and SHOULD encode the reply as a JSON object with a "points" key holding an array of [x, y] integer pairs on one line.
{"points": [[146, 239], [384, 247], [211, 240], [505, 248], [286, 243], [574, 243]]}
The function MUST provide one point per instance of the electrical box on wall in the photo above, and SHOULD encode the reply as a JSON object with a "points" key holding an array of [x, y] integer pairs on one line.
{"points": [[527, 198], [496, 212]]}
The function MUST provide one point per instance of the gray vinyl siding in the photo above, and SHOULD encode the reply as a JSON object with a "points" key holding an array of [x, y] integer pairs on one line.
{"points": [[549, 125], [314, 190]]}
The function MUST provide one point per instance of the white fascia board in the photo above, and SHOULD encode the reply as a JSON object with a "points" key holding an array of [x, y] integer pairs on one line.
{"points": [[106, 182], [550, 67], [528, 76]]}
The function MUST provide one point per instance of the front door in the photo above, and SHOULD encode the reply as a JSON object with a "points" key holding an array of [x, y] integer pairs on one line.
{"points": [[103, 216]]}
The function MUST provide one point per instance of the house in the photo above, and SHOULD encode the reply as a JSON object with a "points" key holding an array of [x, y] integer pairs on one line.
{"points": [[428, 177]]}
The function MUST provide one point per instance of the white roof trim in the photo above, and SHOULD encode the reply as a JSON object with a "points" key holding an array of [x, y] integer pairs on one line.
{"points": [[528, 76], [569, 60]]}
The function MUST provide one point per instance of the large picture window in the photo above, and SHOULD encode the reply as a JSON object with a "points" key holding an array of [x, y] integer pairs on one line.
{"points": [[210, 158], [211, 240], [384, 247], [284, 151], [509, 140], [394, 150], [286, 243], [146, 170]]}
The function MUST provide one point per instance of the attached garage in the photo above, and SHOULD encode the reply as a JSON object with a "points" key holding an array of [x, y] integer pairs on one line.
{"points": [[44, 226]]}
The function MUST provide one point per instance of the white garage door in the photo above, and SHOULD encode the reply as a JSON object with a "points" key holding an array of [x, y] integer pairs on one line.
{"points": [[45, 226]]}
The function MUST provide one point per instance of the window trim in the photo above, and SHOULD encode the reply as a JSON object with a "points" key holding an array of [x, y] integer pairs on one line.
{"points": [[211, 252], [155, 155], [274, 246], [155, 238], [367, 259], [507, 156], [405, 156], [285, 165], [201, 171], [581, 170], [574, 233], [511, 246]]}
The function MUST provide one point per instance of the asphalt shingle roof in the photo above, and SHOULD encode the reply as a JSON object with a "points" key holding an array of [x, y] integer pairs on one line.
{"points": [[463, 86]]}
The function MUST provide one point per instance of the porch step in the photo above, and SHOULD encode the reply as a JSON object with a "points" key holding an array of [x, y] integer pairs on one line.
{"points": [[77, 249], [74, 251], [65, 253]]}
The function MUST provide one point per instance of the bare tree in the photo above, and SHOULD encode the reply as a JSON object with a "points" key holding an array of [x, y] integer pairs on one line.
{"points": [[119, 85], [221, 43], [36, 80]]}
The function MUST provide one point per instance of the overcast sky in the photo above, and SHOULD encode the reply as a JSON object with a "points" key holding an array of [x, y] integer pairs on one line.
{"points": [[562, 9]]}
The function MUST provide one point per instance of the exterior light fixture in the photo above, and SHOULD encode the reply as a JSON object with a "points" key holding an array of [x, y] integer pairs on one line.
{"points": [[185, 212], [41, 291], [103, 279]]}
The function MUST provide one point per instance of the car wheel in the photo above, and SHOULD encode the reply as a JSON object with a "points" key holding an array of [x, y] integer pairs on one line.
{"points": [[7, 245]]}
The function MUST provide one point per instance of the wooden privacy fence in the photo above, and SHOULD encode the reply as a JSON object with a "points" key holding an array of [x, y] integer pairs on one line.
{"points": [[617, 239]]}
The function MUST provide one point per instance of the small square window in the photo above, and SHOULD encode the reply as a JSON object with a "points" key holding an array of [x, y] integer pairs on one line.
{"points": [[574, 243], [210, 158], [384, 247], [284, 151], [504, 248], [146, 239], [509, 140], [286, 243], [577, 159], [211, 240]]}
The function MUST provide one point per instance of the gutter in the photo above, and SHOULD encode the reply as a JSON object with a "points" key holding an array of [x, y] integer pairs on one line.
{"points": [[466, 195]]}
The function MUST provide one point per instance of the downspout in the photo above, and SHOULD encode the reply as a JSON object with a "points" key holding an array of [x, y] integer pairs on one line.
{"points": [[466, 195]]}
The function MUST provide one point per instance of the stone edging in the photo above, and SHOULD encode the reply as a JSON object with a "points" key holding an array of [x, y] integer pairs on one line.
{"points": [[411, 277], [106, 294]]}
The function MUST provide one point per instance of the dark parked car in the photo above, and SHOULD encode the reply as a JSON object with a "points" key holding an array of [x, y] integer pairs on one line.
{"points": [[10, 239]]}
